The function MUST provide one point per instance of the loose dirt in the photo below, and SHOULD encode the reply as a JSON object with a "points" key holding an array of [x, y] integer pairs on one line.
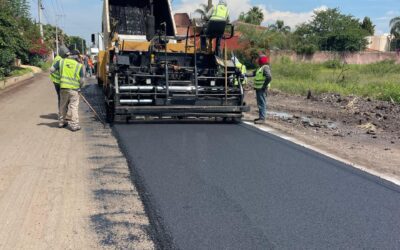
{"points": [[360, 130], [59, 189]]}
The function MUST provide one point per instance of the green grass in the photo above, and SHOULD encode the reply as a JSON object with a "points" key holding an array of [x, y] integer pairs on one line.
{"points": [[378, 81], [45, 65], [20, 71]]}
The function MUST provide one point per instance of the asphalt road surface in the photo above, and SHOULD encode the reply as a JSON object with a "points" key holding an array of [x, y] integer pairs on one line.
{"points": [[227, 186]]}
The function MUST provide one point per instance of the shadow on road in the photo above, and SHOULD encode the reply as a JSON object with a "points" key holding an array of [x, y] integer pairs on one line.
{"points": [[51, 124], [118, 219], [50, 116], [105, 224]]}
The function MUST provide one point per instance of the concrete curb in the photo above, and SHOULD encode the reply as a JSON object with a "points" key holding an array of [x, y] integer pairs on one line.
{"points": [[14, 80]]}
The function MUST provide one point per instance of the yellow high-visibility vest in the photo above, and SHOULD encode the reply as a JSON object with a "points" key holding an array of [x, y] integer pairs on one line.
{"points": [[243, 71], [55, 76], [260, 78], [220, 13], [70, 74]]}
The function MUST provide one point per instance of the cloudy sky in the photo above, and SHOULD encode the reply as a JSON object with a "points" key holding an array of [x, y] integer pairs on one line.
{"points": [[83, 17]]}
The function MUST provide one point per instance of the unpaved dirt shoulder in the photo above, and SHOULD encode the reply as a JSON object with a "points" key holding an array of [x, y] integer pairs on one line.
{"points": [[63, 190], [362, 131], [118, 218]]}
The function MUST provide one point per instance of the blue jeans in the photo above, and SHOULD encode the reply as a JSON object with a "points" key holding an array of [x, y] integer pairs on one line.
{"points": [[261, 103]]}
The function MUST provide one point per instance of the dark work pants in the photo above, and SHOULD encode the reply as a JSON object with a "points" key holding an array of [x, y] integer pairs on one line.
{"points": [[261, 103], [216, 29]]}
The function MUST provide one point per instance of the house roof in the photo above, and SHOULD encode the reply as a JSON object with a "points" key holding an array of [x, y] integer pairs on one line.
{"points": [[182, 19], [240, 23]]}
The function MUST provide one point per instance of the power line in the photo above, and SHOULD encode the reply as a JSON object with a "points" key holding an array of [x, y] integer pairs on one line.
{"points": [[57, 47], [53, 6], [47, 17], [61, 10]]}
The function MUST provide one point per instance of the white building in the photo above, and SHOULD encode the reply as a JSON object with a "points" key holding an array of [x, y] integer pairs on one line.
{"points": [[379, 43]]}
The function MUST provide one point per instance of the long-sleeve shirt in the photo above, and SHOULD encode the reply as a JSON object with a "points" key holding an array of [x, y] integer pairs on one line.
{"points": [[57, 67], [267, 73]]}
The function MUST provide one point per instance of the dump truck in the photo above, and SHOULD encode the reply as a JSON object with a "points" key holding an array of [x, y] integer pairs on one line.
{"points": [[147, 71]]}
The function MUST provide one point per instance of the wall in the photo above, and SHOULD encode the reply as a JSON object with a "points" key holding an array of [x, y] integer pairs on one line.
{"points": [[350, 58]]}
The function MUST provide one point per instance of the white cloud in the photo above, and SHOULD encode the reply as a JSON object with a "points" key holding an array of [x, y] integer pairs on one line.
{"points": [[290, 18], [237, 6]]}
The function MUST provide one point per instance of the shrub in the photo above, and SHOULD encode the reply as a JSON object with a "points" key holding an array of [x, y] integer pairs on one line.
{"points": [[333, 64], [35, 60], [306, 49], [6, 60]]}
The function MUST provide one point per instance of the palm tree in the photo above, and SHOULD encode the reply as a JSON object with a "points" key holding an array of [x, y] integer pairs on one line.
{"points": [[280, 27], [395, 27], [255, 16]]}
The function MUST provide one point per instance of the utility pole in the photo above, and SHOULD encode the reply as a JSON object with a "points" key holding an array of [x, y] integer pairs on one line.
{"points": [[40, 8], [57, 40], [82, 47]]}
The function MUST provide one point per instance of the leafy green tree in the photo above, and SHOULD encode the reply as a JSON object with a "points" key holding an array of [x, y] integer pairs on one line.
{"points": [[254, 40], [50, 36], [253, 16], [368, 26], [75, 42], [395, 31], [305, 40], [19, 8], [331, 30], [12, 42], [280, 26]]}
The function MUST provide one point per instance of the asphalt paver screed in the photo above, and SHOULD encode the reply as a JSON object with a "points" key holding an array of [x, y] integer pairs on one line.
{"points": [[227, 186]]}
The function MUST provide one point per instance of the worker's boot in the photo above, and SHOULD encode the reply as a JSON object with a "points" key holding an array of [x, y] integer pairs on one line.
{"points": [[75, 128], [62, 124], [259, 121]]}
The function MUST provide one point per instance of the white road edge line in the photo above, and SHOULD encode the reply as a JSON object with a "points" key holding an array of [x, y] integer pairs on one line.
{"points": [[270, 130]]}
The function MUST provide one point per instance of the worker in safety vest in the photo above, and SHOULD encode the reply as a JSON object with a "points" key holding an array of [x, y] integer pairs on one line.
{"points": [[241, 71], [219, 13], [72, 75], [217, 19], [55, 76], [262, 78]]}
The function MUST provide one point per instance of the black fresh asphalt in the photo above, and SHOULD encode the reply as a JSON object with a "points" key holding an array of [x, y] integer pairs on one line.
{"points": [[227, 186]]}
